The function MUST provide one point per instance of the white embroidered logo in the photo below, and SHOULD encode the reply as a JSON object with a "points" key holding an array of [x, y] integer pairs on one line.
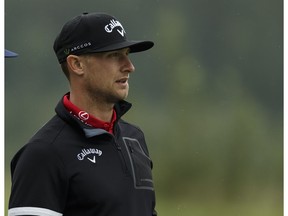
{"points": [[78, 47], [113, 24], [83, 115], [90, 154]]}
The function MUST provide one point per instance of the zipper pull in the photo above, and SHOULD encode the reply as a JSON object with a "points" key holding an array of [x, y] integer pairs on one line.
{"points": [[131, 149], [117, 146]]}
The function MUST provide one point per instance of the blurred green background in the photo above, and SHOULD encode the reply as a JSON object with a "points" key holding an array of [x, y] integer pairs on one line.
{"points": [[209, 95]]}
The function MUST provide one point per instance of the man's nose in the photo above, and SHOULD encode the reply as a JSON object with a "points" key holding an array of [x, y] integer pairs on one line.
{"points": [[129, 67]]}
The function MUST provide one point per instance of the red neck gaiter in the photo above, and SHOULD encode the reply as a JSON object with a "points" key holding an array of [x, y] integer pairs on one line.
{"points": [[88, 119]]}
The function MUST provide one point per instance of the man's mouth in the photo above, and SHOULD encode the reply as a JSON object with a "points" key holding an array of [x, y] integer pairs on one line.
{"points": [[122, 80]]}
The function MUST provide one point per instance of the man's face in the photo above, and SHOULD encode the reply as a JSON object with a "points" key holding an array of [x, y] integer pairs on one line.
{"points": [[107, 74]]}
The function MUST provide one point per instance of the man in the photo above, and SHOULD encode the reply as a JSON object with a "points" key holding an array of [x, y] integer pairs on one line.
{"points": [[86, 160]]}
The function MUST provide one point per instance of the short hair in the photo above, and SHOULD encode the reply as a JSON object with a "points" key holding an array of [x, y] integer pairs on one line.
{"points": [[65, 69]]}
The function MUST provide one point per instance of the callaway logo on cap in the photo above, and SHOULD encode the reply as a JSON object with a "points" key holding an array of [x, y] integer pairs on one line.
{"points": [[94, 32]]}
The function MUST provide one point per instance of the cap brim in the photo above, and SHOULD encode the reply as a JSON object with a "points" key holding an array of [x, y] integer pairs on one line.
{"points": [[10, 54], [135, 46]]}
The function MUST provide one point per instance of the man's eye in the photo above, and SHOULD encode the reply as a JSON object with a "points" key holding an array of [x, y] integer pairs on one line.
{"points": [[116, 54], [119, 54]]}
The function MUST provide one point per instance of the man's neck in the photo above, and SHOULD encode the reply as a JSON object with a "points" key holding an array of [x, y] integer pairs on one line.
{"points": [[100, 110]]}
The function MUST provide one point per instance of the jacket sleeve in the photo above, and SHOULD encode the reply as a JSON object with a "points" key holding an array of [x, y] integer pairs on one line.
{"points": [[39, 183]]}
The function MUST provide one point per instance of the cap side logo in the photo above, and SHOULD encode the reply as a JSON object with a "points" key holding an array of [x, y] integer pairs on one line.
{"points": [[67, 51], [113, 24]]}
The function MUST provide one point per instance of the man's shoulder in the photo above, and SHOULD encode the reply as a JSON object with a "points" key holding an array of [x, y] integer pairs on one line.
{"points": [[48, 131], [130, 126], [131, 130], [43, 145], [44, 138]]}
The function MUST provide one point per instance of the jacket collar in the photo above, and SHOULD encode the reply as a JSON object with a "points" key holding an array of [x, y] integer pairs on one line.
{"points": [[121, 108]]}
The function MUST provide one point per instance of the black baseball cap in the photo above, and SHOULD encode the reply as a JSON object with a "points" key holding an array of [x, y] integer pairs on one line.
{"points": [[94, 33]]}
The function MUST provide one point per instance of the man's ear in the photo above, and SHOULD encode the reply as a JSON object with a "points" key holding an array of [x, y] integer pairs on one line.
{"points": [[74, 64]]}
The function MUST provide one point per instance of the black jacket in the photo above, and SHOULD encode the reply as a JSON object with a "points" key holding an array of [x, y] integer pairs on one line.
{"points": [[69, 168]]}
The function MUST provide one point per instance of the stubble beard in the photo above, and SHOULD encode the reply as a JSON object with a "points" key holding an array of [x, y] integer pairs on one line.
{"points": [[105, 97]]}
